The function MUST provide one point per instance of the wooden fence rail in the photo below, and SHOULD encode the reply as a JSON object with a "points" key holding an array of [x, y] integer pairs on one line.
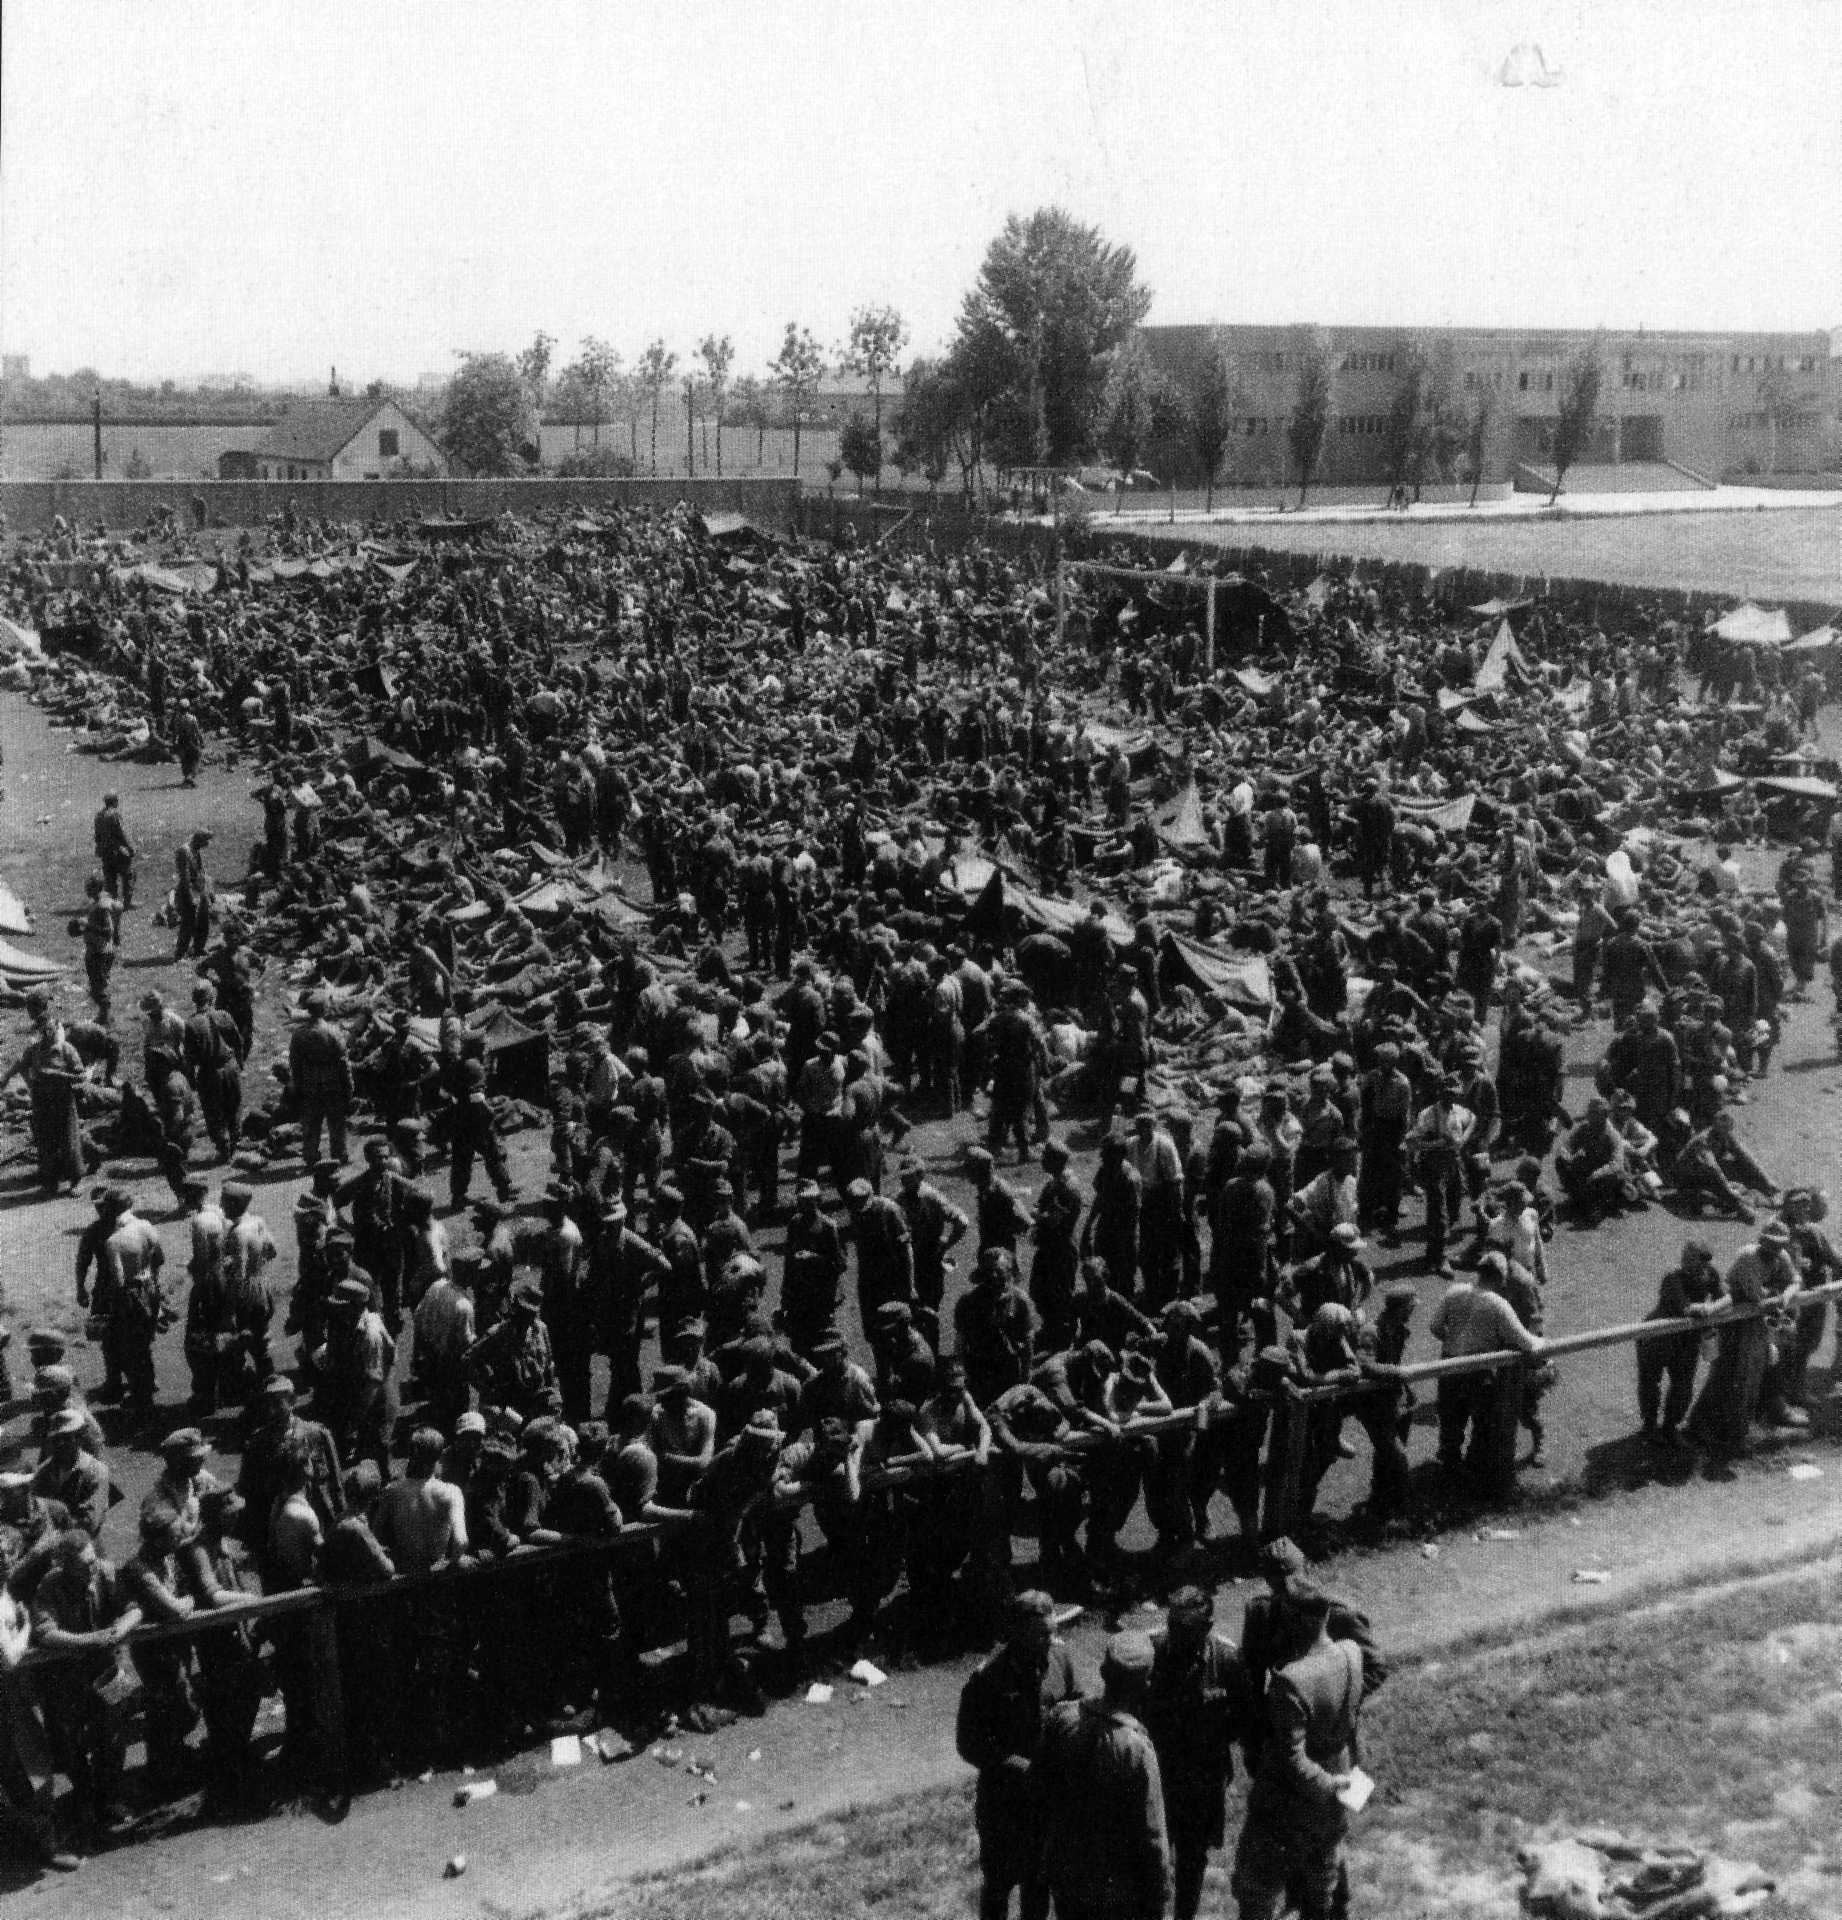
{"points": [[1290, 1409]]}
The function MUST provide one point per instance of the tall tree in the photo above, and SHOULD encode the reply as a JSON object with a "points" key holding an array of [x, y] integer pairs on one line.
{"points": [[1064, 300], [534, 371], [489, 418], [1135, 405], [751, 409], [1573, 424], [655, 370], [860, 447], [718, 357], [796, 372], [1212, 408], [1478, 422], [1310, 420], [877, 337], [599, 367], [1408, 436]]}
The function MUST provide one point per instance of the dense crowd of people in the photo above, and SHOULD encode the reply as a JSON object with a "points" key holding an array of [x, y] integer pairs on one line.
{"points": [[1279, 937]]}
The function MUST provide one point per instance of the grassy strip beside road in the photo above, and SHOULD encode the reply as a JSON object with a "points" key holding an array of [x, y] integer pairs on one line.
{"points": [[1714, 1722]]}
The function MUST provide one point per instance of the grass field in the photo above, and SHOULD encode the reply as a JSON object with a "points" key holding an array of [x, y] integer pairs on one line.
{"points": [[1791, 554], [1713, 1723]]}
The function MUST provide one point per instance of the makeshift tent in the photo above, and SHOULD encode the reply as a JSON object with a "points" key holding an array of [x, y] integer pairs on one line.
{"points": [[1711, 780], [15, 915], [1247, 617], [452, 529], [1317, 595], [1820, 640], [1137, 743], [1450, 816], [16, 639], [517, 1056], [1241, 979], [368, 751], [1503, 658], [179, 578], [1798, 786], [734, 530], [21, 970], [1261, 685], [1501, 609], [1039, 911], [1181, 823], [1751, 626]]}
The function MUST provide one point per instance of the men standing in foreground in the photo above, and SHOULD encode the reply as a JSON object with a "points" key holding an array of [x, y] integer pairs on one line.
{"points": [[1002, 1711], [1291, 1848], [1104, 1841]]}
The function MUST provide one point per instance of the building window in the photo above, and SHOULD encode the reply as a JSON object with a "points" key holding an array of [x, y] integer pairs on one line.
{"points": [[386, 443]]}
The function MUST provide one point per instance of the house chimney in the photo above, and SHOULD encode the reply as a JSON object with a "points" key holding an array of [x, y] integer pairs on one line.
{"points": [[332, 386]]}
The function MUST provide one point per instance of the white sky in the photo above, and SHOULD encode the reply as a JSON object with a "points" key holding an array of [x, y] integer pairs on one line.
{"points": [[272, 186]]}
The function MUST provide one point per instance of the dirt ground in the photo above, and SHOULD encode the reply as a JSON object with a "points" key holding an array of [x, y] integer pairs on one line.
{"points": [[541, 1851]]}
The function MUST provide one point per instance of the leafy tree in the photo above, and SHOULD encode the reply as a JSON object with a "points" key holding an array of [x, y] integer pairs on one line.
{"points": [[718, 357], [860, 447], [1064, 301], [489, 418], [796, 370], [1478, 423], [834, 472], [1212, 408], [878, 335], [1573, 425], [597, 369], [751, 409], [1786, 410], [655, 369], [1310, 420], [1135, 406], [1408, 435], [534, 370]]}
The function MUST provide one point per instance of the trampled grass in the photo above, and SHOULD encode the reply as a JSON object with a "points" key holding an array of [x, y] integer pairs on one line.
{"points": [[1717, 1723]]}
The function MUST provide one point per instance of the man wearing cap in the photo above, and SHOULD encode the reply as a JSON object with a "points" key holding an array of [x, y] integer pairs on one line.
{"points": [[321, 1075], [279, 1435], [1439, 1144], [1270, 1635], [213, 1055], [1017, 1053], [813, 1271], [374, 1198], [512, 1364], [473, 1134], [1054, 1265], [1154, 1157], [1339, 1276], [114, 850], [185, 1480], [356, 1392], [71, 1475], [1002, 1710], [1197, 1706], [935, 1228], [1291, 1845], [193, 895], [1105, 1844], [749, 1548], [682, 1435], [885, 1253], [1742, 1382], [574, 1309]]}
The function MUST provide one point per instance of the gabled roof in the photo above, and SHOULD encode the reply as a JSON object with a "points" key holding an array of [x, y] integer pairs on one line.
{"points": [[320, 430]]}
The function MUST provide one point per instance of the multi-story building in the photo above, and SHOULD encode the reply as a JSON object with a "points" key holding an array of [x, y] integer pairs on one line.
{"points": [[1712, 404]]}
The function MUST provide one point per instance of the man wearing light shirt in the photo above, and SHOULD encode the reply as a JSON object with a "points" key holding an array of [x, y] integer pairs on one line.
{"points": [[1159, 1166]]}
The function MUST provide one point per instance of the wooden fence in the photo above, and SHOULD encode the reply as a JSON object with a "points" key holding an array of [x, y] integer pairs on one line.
{"points": [[315, 1609]]}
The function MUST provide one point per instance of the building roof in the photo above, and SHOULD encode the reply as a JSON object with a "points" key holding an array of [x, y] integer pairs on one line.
{"points": [[318, 431]]}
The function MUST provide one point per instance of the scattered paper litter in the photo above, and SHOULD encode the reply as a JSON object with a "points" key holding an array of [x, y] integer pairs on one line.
{"points": [[754, 1753], [1355, 1796], [745, 1806], [818, 1694], [464, 1796], [1501, 1533], [1805, 1470], [868, 1674], [1590, 1577], [668, 1756], [566, 1750], [455, 1867], [1430, 1551]]}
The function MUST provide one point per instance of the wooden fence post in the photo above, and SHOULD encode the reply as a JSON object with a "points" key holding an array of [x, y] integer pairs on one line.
{"points": [[322, 1628], [1285, 1464], [1208, 629], [1499, 1416]]}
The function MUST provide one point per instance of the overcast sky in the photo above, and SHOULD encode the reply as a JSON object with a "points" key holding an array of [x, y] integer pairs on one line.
{"points": [[273, 186]]}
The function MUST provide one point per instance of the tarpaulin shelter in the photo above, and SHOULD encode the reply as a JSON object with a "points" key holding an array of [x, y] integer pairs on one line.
{"points": [[1317, 595], [1247, 617], [21, 970], [734, 530], [1181, 823], [1242, 979], [1753, 626], [1797, 786], [1138, 744], [1501, 609], [16, 639], [1819, 640], [452, 529], [1261, 685], [179, 578], [1452, 815], [15, 915], [1004, 893], [517, 1056], [1501, 659], [367, 751]]}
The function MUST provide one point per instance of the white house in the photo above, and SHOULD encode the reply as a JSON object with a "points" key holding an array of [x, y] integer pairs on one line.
{"points": [[358, 439]]}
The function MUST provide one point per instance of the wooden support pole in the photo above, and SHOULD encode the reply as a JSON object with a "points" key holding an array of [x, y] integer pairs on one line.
{"points": [[1499, 1417], [1208, 628], [1285, 1464], [322, 1630], [1061, 600]]}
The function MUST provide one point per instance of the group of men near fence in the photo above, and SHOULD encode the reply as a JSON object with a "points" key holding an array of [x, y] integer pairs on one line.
{"points": [[778, 744]]}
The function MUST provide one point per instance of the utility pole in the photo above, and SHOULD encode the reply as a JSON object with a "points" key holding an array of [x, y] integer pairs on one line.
{"points": [[96, 425], [690, 427]]}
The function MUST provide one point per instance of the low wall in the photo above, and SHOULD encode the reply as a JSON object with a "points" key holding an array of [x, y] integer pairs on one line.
{"points": [[31, 505]]}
